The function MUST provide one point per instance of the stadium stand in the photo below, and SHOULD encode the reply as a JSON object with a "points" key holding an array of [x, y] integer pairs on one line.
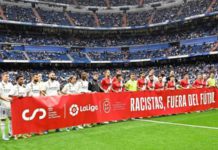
{"points": [[31, 39], [135, 18]]}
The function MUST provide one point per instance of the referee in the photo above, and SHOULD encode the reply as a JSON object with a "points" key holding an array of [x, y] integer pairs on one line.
{"points": [[131, 85]]}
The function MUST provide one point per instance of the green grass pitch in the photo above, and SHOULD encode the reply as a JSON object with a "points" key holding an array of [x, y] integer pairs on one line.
{"points": [[131, 135]]}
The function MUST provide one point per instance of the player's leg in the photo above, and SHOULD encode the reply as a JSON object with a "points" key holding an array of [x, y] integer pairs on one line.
{"points": [[3, 117], [3, 130], [9, 127]]}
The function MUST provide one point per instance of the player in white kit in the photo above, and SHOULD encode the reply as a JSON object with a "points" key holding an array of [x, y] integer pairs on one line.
{"points": [[84, 88], [51, 88], [5, 105], [19, 90], [83, 83], [34, 88], [72, 87]]}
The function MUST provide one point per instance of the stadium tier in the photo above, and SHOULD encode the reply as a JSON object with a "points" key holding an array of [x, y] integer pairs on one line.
{"points": [[186, 48], [132, 17], [118, 40], [103, 3]]}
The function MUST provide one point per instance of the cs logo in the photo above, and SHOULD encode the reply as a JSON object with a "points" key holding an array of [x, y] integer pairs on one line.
{"points": [[26, 117]]}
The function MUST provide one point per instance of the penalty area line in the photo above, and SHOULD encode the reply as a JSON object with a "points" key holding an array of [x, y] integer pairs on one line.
{"points": [[177, 124]]}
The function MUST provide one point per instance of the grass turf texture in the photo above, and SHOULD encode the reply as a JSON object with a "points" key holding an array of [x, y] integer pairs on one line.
{"points": [[131, 135]]}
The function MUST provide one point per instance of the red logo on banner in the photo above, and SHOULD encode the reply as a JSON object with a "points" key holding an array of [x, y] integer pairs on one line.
{"points": [[74, 110], [106, 106]]}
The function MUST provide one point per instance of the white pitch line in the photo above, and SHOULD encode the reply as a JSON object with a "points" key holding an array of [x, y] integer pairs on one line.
{"points": [[177, 124]]}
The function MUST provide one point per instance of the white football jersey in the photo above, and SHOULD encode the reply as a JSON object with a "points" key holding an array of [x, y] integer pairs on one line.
{"points": [[5, 89], [51, 88], [70, 88], [83, 86], [33, 89], [18, 91]]}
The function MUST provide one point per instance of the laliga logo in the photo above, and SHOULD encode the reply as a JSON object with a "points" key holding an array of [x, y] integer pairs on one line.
{"points": [[38, 110], [75, 109], [107, 106]]}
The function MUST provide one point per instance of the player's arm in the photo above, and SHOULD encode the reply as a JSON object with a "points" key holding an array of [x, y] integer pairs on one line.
{"points": [[112, 87], [64, 90], [43, 90], [28, 90], [126, 86], [4, 98], [138, 86], [102, 82], [59, 89]]}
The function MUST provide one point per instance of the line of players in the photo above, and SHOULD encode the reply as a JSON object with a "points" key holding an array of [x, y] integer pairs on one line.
{"points": [[74, 86]]}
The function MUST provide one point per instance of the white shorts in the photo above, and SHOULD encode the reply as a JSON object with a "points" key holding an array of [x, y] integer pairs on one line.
{"points": [[5, 109]]}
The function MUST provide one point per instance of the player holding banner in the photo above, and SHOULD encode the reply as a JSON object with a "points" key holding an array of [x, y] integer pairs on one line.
{"points": [[117, 85], [19, 90], [72, 87], [51, 88], [106, 82], [141, 82], [34, 88], [159, 85], [150, 83], [5, 105], [198, 83], [185, 83], [171, 84]]}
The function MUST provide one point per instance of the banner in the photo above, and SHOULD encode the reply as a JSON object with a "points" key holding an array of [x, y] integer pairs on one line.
{"points": [[37, 114]]}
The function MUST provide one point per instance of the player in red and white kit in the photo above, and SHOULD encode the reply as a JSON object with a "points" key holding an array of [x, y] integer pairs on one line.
{"points": [[159, 85], [184, 83], [106, 82], [204, 80], [118, 72], [151, 83], [198, 83], [117, 85], [141, 82], [171, 84]]}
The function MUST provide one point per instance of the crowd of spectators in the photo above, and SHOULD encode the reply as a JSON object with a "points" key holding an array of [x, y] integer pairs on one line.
{"points": [[47, 56], [89, 41], [53, 17], [91, 3], [193, 69], [147, 54], [12, 55], [138, 18], [17, 13], [159, 15], [110, 19], [82, 19], [123, 2], [77, 55], [101, 3]]}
